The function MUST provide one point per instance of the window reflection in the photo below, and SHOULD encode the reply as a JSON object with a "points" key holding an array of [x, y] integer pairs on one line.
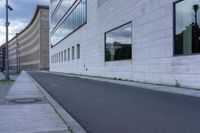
{"points": [[119, 43], [54, 4], [63, 8], [187, 31], [76, 19]]}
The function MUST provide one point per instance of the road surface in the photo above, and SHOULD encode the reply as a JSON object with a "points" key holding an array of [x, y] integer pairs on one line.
{"points": [[102, 107]]}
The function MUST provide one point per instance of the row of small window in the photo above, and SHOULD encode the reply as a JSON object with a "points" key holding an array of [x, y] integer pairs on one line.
{"points": [[65, 55], [71, 23]]}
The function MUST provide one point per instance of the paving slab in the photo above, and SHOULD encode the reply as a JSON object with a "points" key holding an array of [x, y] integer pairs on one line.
{"points": [[32, 118], [24, 88], [38, 117]]}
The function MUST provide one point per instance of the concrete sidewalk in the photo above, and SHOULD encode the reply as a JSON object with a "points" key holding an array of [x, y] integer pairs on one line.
{"points": [[27, 110], [24, 88]]}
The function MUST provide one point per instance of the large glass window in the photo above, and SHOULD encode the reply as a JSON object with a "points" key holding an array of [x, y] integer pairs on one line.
{"points": [[119, 43], [187, 27], [54, 4], [72, 22], [62, 9]]}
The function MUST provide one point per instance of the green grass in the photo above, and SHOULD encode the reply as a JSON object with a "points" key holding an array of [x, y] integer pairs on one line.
{"points": [[6, 81], [71, 131], [177, 84], [115, 78]]}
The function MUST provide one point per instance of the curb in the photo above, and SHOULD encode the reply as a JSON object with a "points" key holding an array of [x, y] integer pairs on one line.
{"points": [[72, 124], [161, 88]]}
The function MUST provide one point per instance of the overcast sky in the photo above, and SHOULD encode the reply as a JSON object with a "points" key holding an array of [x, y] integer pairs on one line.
{"points": [[19, 17]]}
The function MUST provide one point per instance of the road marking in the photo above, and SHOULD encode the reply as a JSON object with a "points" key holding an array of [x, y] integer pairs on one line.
{"points": [[54, 85]]}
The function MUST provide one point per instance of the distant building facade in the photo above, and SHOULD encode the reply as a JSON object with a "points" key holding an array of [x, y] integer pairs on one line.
{"points": [[2, 57], [152, 41], [29, 49]]}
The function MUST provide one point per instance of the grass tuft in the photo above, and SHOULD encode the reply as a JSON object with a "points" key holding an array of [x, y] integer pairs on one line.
{"points": [[177, 84], [71, 131], [6, 81]]}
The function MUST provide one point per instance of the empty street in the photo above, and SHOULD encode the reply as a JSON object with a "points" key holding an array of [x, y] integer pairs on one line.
{"points": [[102, 107]]}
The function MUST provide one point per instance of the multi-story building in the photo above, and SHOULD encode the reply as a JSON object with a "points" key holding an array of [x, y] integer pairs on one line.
{"points": [[29, 49], [153, 41], [2, 57]]}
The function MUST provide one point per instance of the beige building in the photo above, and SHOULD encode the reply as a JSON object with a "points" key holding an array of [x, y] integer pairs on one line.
{"points": [[33, 43]]}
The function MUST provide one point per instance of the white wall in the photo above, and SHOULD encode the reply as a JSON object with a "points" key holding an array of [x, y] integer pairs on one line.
{"points": [[152, 60]]}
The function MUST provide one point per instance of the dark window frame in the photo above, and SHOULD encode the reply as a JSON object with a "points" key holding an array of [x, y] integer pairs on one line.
{"points": [[63, 20], [56, 8], [130, 22], [174, 32], [75, 29]]}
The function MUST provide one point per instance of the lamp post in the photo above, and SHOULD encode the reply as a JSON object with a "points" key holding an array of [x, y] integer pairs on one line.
{"points": [[8, 7], [196, 8], [195, 32]]}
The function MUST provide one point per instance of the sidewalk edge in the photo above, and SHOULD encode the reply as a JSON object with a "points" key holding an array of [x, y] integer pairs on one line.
{"points": [[72, 124]]}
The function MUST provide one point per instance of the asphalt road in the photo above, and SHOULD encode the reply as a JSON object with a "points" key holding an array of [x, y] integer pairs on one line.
{"points": [[102, 107]]}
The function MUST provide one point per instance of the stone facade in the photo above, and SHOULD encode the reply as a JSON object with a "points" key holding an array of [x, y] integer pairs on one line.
{"points": [[152, 37], [33, 43]]}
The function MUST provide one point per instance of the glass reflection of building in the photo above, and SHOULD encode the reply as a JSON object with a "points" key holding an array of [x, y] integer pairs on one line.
{"points": [[119, 43], [187, 27], [66, 17]]}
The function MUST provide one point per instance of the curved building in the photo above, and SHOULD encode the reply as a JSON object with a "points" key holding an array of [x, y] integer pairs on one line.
{"points": [[29, 49]]}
